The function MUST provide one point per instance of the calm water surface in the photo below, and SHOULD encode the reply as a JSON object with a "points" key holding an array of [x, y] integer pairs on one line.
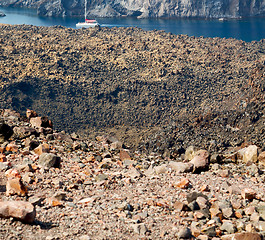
{"points": [[247, 29]]}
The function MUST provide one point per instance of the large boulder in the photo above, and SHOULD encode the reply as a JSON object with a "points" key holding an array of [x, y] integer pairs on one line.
{"points": [[23, 211]]}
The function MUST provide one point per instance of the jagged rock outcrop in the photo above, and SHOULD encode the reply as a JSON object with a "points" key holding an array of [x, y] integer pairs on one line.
{"points": [[146, 8]]}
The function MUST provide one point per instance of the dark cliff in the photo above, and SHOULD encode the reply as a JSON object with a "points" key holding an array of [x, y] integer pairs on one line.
{"points": [[145, 8]]}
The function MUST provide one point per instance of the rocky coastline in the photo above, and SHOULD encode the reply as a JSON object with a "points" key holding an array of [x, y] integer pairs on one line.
{"points": [[2, 14], [166, 135], [145, 9]]}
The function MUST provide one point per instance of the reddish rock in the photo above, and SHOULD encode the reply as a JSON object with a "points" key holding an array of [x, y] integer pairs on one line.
{"points": [[183, 184], [180, 206], [43, 148], [2, 157], [124, 155], [12, 148], [201, 160], [205, 188], [23, 211], [31, 114], [39, 122], [12, 173], [53, 202], [15, 186]]}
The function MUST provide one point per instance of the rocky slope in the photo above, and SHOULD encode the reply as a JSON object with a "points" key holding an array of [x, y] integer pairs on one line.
{"points": [[129, 80], [59, 186], [156, 8]]}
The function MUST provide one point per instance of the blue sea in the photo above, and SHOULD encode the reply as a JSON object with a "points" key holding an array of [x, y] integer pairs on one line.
{"points": [[246, 29]]}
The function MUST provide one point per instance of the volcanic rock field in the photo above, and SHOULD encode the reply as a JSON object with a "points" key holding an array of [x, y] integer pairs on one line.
{"points": [[123, 133]]}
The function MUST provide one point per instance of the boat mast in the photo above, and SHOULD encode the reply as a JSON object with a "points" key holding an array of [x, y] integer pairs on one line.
{"points": [[85, 8]]}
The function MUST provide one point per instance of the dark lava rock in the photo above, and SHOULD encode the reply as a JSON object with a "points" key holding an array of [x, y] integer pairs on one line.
{"points": [[5, 131]]}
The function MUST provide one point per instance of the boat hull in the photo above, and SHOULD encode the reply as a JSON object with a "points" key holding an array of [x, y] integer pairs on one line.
{"points": [[86, 25]]}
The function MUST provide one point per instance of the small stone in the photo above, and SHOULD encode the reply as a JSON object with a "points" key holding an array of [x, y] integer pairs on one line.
{"points": [[133, 173], [249, 210], [228, 227], [181, 167], [23, 211], [87, 200], [194, 195], [227, 212], [238, 214], [49, 160], [261, 158], [209, 231], [202, 237], [161, 169], [250, 227], [260, 225], [140, 229], [248, 193], [180, 206], [224, 173], [249, 154], [53, 202], [254, 217], [43, 148], [261, 210], [215, 166], [205, 188], [185, 233], [124, 155], [60, 196], [202, 202], [101, 177], [15, 186], [4, 166], [183, 184]]}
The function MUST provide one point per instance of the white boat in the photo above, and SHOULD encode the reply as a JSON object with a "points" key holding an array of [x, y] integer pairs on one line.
{"points": [[88, 22]]}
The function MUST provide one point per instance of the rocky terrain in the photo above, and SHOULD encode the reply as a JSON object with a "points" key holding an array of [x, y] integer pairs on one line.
{"points": [[132, 83], [145, 9], [176, 135], [59, 186]]}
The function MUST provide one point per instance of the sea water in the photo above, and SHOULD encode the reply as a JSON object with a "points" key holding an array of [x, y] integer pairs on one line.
{"points": [[246, 29]]}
